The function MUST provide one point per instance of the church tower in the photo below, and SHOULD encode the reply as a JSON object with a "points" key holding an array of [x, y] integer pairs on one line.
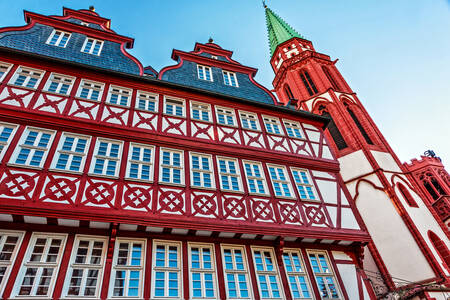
{"points": [[409, 242]]}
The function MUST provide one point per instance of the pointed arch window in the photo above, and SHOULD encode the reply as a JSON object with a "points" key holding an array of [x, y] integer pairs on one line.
{"points": [[359, 125], [309, 84], [288, 92], [441, 248], [333, 130], [406, 195], [432, 185], [330, 78]]}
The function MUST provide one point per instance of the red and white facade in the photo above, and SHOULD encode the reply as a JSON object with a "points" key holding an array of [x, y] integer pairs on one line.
{"points": [[125, 186]]}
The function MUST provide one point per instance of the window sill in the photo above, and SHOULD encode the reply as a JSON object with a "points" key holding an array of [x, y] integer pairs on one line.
{"points": [[118, 105], [138, 180], [172, 184], [226, 125], [253, 130], [213, 188], [89, 100], [201, 121], [174, 116], [146, 111], [24, 166], [103, 176], [22, 87], [65, 171], [56, 94]]}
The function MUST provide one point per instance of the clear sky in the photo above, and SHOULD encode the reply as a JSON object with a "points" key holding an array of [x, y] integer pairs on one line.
{"points": [[394, 54]]}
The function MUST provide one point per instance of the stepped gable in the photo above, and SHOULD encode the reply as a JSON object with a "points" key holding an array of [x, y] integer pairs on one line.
{"points": [[212, 55], [80, 24]]}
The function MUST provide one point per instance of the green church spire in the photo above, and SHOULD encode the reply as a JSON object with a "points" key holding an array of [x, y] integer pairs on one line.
{"points": [[278, 30]]}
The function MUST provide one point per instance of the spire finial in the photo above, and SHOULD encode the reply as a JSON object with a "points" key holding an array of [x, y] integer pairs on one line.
{"points": [[210, 40], [92, 8], [264, 3]]}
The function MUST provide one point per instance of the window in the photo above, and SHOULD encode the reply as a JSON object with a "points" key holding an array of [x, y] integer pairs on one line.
{"points": [[440, 248], [201, 171], [255, 178], [309, 84], [229, 174], [202, 271], [288, 92], [280, 182], [40, 264], [249, 121], [406, 195], [272, 125], [59, 84], [171, 166], [119, 96], [225, 116], [229, 78], [360, 126], [140, 162], [266, 273], [106, 158], [200, 111], [71, 152], [293, 129], [6, 134], [90, 90], [33, 147], [27, 77], [330, 78], [304, 184], [204, 73], [324, 275], [4, 68], [92, 46], [58, 38], [146, 101], [128, 268], [236, 272], [335, 132], [166, 270], [86, 267], [174, 107], [9, 245], [296, 273]]}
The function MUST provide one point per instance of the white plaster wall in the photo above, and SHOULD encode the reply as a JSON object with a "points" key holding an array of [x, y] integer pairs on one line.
{"points": [[386, 161], [348, 275], [439, 295], [354, 164], [393, 240]]}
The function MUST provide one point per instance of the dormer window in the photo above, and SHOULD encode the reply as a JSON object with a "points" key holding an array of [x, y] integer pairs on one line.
{"points": [[58, 38], [204, 73], [229, 78], [92, 46]]}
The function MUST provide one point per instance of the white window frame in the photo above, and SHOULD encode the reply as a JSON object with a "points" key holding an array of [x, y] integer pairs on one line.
{"points": [[147, 97], [166, 269], [5, 145], [35, 73], [322, 274], [229, 175], [58, 41], [227, 112], [171, 167], [174, 99], [120, 92], [91, 50], [93, 85], [128, 267], [8, 264], [5, 68], [140, 162], [310, 184], [275, 272], [236, 272], [202, 270], [107, 158], [269, 122], [227, 75], [293, 125], [204, 70], [248, 116], [303, 272], [72, 153], [40, 265], [21, 145], [251, 177], [201, 107], [61, 80], [86, 266], [202, 171], [280, 181]]}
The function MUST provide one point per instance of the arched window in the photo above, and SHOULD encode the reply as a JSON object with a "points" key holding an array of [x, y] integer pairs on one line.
{"points": [[441, 248], [288, 92], [406, 195], [331, 78], [432, 185], [359, 125], [334, 130], [309, 84]]}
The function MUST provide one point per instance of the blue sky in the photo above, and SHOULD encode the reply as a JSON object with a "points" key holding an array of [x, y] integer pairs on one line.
{"points": [[394, 54]]}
